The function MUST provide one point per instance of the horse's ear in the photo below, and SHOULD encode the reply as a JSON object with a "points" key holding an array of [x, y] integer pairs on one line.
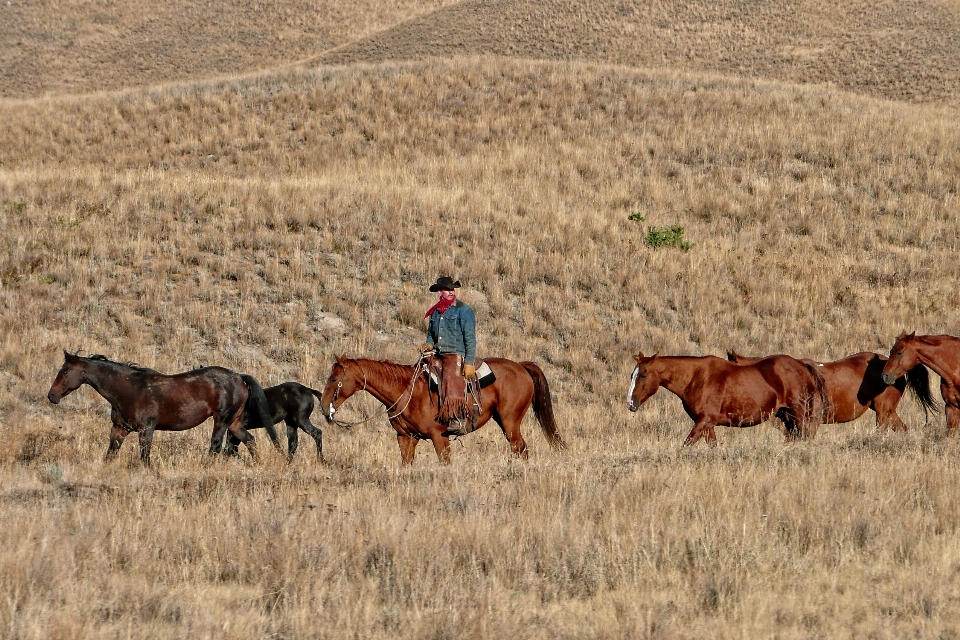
{"points": [[654, 356], [340, 358], [638, 357], [732, 355], [912, 336]]}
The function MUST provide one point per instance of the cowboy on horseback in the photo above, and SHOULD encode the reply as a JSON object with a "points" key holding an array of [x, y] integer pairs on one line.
{"points": [[452, 337]]}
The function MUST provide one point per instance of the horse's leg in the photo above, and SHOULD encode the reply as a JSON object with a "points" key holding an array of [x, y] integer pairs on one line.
{"points": [[293, 439], [408, 447], [887, 417], [700, 428], [249, 441], [442, 446], [117, 434], [511, 431], [235, 426], [953, 416], [146, 441], [790, 430], [315, 433], [216, 442], [711, 436], [216, 438], [230, 445]]}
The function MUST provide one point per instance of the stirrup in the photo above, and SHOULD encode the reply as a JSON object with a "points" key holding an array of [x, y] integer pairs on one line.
{"points": [[456, 431]]}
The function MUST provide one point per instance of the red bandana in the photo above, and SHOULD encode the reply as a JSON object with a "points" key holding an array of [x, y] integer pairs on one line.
{"points": [[441, 306]]}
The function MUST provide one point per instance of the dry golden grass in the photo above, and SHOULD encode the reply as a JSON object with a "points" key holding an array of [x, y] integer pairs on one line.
{"points": [[907, 50], [900, 50], [267, 223], [58, 46]]}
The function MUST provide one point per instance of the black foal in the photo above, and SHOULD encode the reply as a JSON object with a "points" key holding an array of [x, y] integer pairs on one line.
{"points": [[291, 402]]}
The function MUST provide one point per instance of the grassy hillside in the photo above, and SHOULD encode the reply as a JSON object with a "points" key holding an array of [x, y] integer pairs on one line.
{"points": [[57, 46], [898, 50], [267, 224], [821, 222], [268, 221]]}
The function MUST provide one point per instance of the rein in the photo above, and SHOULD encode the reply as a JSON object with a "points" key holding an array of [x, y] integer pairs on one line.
{"points": [[413, 381]]}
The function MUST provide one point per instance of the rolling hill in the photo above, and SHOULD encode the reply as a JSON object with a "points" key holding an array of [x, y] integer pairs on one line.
{"points": [[264, 187]]}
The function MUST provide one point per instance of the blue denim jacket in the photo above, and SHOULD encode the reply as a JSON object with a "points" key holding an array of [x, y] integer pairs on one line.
{"points": [[455, 331]]}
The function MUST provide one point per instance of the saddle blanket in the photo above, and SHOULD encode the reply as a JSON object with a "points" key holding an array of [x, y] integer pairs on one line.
{"points": [[485, 377]]}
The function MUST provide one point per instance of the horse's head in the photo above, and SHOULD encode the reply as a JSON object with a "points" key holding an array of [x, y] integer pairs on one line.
{"points": [[644, 382], [69, 378], [903, 357], [346, 378]]}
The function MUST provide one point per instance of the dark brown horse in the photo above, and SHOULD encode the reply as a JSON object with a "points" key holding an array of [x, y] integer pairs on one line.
{"points": [[716, 392], [145, 401], [940, 353], [855, 385], [412, 407], [292, 403]]}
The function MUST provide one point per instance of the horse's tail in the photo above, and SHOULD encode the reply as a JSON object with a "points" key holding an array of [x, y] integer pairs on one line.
{"points": [[319, 396], [543, 405], [257, 401], [918, 380], [826, 411]]}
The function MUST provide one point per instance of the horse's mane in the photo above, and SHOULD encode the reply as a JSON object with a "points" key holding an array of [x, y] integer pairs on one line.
{"points": [[395, 370], [133, 365]]}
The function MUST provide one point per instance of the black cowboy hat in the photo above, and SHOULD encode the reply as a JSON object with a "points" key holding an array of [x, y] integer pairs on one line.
{"points": [[444, 283]]}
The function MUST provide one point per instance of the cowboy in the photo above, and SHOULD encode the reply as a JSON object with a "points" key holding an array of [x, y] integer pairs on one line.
{"points": [[452, 335]]}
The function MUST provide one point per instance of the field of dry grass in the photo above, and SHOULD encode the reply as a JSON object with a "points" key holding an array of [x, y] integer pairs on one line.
{"points": [[899, 50], [905, 50], [267, 222], [58, 46]]}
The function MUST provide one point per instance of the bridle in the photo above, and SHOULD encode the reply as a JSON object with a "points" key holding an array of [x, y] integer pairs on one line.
{"points": [[417, 368]]}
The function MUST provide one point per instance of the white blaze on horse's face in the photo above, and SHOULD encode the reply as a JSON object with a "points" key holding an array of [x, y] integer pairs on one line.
{"points": [[633, 386]]}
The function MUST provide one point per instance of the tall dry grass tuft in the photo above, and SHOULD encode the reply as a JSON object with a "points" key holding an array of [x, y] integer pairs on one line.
{"points": [[268, 224]]}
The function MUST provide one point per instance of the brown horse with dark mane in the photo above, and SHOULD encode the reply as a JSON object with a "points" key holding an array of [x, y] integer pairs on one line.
{"points": [[855, 385], [717, 392], [144, 400], [412, 407], [940, 353]]}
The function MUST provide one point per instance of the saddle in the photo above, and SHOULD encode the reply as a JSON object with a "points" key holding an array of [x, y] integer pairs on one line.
{"points": [[458, 399]]}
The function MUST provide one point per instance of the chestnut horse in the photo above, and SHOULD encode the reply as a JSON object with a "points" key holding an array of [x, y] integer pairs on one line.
{"points": [[716, 392], [940, 353], [412, 407], [855, 385], [144, 400]]}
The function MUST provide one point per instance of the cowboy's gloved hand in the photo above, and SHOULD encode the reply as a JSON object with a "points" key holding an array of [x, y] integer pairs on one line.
{"points": [[469, 371], [426, 348]]}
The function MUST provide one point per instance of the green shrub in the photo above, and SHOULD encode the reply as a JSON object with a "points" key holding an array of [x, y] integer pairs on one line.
{"points": [[658, 237]]}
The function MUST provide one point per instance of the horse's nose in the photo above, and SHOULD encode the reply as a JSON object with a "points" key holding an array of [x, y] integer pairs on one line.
{"points": [[888, 378], [53, 398], [631, 406]]}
